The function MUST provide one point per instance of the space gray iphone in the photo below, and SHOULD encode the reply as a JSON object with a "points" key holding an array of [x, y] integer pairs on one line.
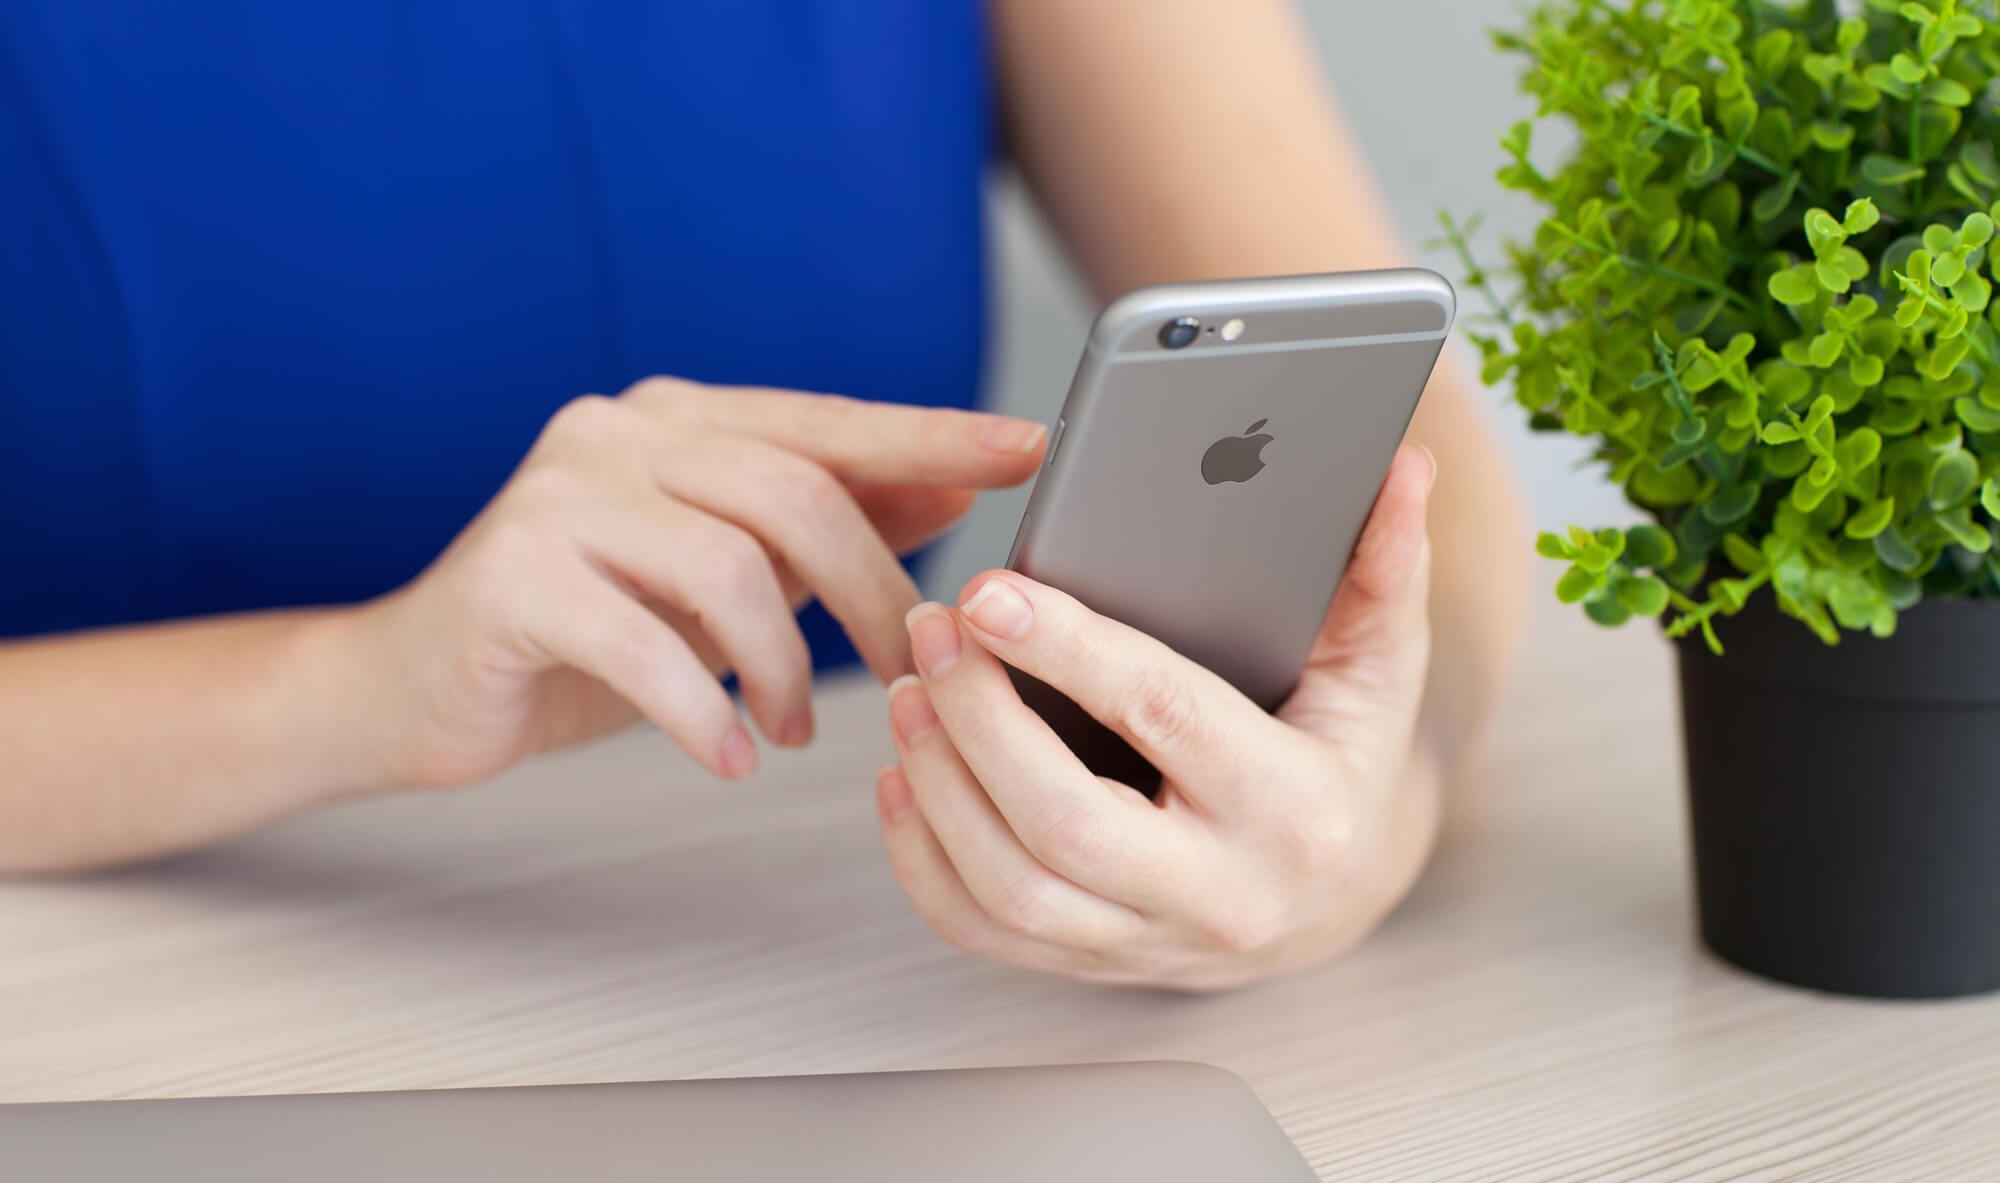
{"points": [[1219, 452]]}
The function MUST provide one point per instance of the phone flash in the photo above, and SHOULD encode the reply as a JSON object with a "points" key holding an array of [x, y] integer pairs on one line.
{"points": [[1232, 330]]}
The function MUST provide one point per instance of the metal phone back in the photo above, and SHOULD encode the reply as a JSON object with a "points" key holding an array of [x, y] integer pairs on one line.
{"points": [[1155, 509]]}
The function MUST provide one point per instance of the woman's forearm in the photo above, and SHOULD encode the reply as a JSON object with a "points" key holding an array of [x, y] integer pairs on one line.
{"points": [[1182, 139], [131, 743]]}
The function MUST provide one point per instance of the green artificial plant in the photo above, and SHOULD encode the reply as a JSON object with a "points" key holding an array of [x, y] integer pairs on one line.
{"points": [[1763, 286]]}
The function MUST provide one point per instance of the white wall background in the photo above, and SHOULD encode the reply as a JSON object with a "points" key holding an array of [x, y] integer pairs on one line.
{"points": [[1428, 97]]}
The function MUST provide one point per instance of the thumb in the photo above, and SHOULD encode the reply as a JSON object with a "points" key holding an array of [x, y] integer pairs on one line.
{"points": [[1376, 636]]}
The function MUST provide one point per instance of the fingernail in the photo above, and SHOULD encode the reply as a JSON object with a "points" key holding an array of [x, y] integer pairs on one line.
{"points": [[1012, 435], [998, 609], [739, 755], [892, 793], [910, 712], [934, 639], [1432, 457], [797, 729]]}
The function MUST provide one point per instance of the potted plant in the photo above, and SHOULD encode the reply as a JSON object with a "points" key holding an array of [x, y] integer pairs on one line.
{"points": [[1763, 285]]}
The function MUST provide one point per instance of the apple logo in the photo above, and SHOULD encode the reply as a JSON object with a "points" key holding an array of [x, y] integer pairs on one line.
{"points": [[1235, 458]]}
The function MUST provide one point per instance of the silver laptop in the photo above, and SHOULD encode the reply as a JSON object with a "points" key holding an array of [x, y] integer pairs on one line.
{"points": [[1165, 1123]]}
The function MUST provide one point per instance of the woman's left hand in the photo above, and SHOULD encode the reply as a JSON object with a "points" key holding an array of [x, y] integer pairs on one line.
{"points": [[1275, 842]]}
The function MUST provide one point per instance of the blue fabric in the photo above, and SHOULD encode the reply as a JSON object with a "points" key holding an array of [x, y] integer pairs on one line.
{"points": [[287, 290]]}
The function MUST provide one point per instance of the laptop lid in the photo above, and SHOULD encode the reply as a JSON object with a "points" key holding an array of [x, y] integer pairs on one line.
{"points": [[1162, 1122]]}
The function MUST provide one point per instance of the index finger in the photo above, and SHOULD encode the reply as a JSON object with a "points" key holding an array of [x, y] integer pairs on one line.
{"points": [[1105, 838], [1197, 729], [880, 443]]}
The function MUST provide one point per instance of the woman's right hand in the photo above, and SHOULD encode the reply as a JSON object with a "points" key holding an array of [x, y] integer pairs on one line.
{"points": [[652, 541]]}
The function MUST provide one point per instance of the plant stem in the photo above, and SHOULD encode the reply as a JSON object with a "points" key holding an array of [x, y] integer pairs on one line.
{"points": [[1916, 128], [1939, 306], [1709, 457], [1744, 152], [1456, 236], [1694, 616], [1694, 281]]}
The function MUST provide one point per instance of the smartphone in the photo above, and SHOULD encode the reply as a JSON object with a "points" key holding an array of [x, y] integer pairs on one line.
{"points": [[1218, 454]]}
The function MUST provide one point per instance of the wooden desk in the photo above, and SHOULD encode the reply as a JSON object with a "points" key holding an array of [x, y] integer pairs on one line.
{"points": [[1538, 1010]]}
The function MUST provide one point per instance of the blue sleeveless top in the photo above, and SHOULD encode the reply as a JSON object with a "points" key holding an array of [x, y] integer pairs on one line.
{"points": [[286, 291]]}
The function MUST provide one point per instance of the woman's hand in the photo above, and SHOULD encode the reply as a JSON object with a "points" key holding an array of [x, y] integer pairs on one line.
{"points": [[650, 542], [1275, 842]]}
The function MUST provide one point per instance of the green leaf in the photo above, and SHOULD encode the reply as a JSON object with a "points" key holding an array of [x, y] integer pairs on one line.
{"points": [[1861, 217], [1906, 69], [1771, 52], [1685, 107], [1731, 504], [1977, 230], [1776, 432], [1554, 546], [1980, 163], [1678, 455], [1853, 600], [1731, 594], [1576, 583], [1889, 171], [1772, 203], [1864, 369], [1829, 136], [1972, 292], [1953, 476], [1743, 556], [1945, 358], [1896, 419], [1872, 520], [1948, 93], [1822, 232], [1785, 384], [1960, 526], [1650, 547], [1918, 268], [1989, 498], [1976, 415], [1644, 596], [1833, 275], [1858, 449], [1739, 114], [1807, 494], [1795, 285], [1607, 611], [1895, 551]]}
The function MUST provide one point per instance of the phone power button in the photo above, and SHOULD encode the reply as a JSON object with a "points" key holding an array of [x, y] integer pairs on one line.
{"points": [[1055, 440]]}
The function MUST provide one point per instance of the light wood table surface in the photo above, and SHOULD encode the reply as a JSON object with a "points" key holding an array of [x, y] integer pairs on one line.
{"points": [[1537, 1011]]}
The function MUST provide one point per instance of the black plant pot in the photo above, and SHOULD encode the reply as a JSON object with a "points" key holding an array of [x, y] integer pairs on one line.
{"points": [[1845, 800]]}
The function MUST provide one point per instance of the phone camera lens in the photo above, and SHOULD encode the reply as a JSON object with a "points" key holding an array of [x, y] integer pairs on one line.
{"points": [[1179, 334]]}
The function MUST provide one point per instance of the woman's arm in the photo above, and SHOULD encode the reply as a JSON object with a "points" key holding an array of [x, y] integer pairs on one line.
{"points": [[646, 543], [1189, 139], [130, 742]]}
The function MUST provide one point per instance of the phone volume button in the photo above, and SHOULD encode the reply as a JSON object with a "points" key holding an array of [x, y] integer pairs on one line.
{"points": [[1055, 440]]}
